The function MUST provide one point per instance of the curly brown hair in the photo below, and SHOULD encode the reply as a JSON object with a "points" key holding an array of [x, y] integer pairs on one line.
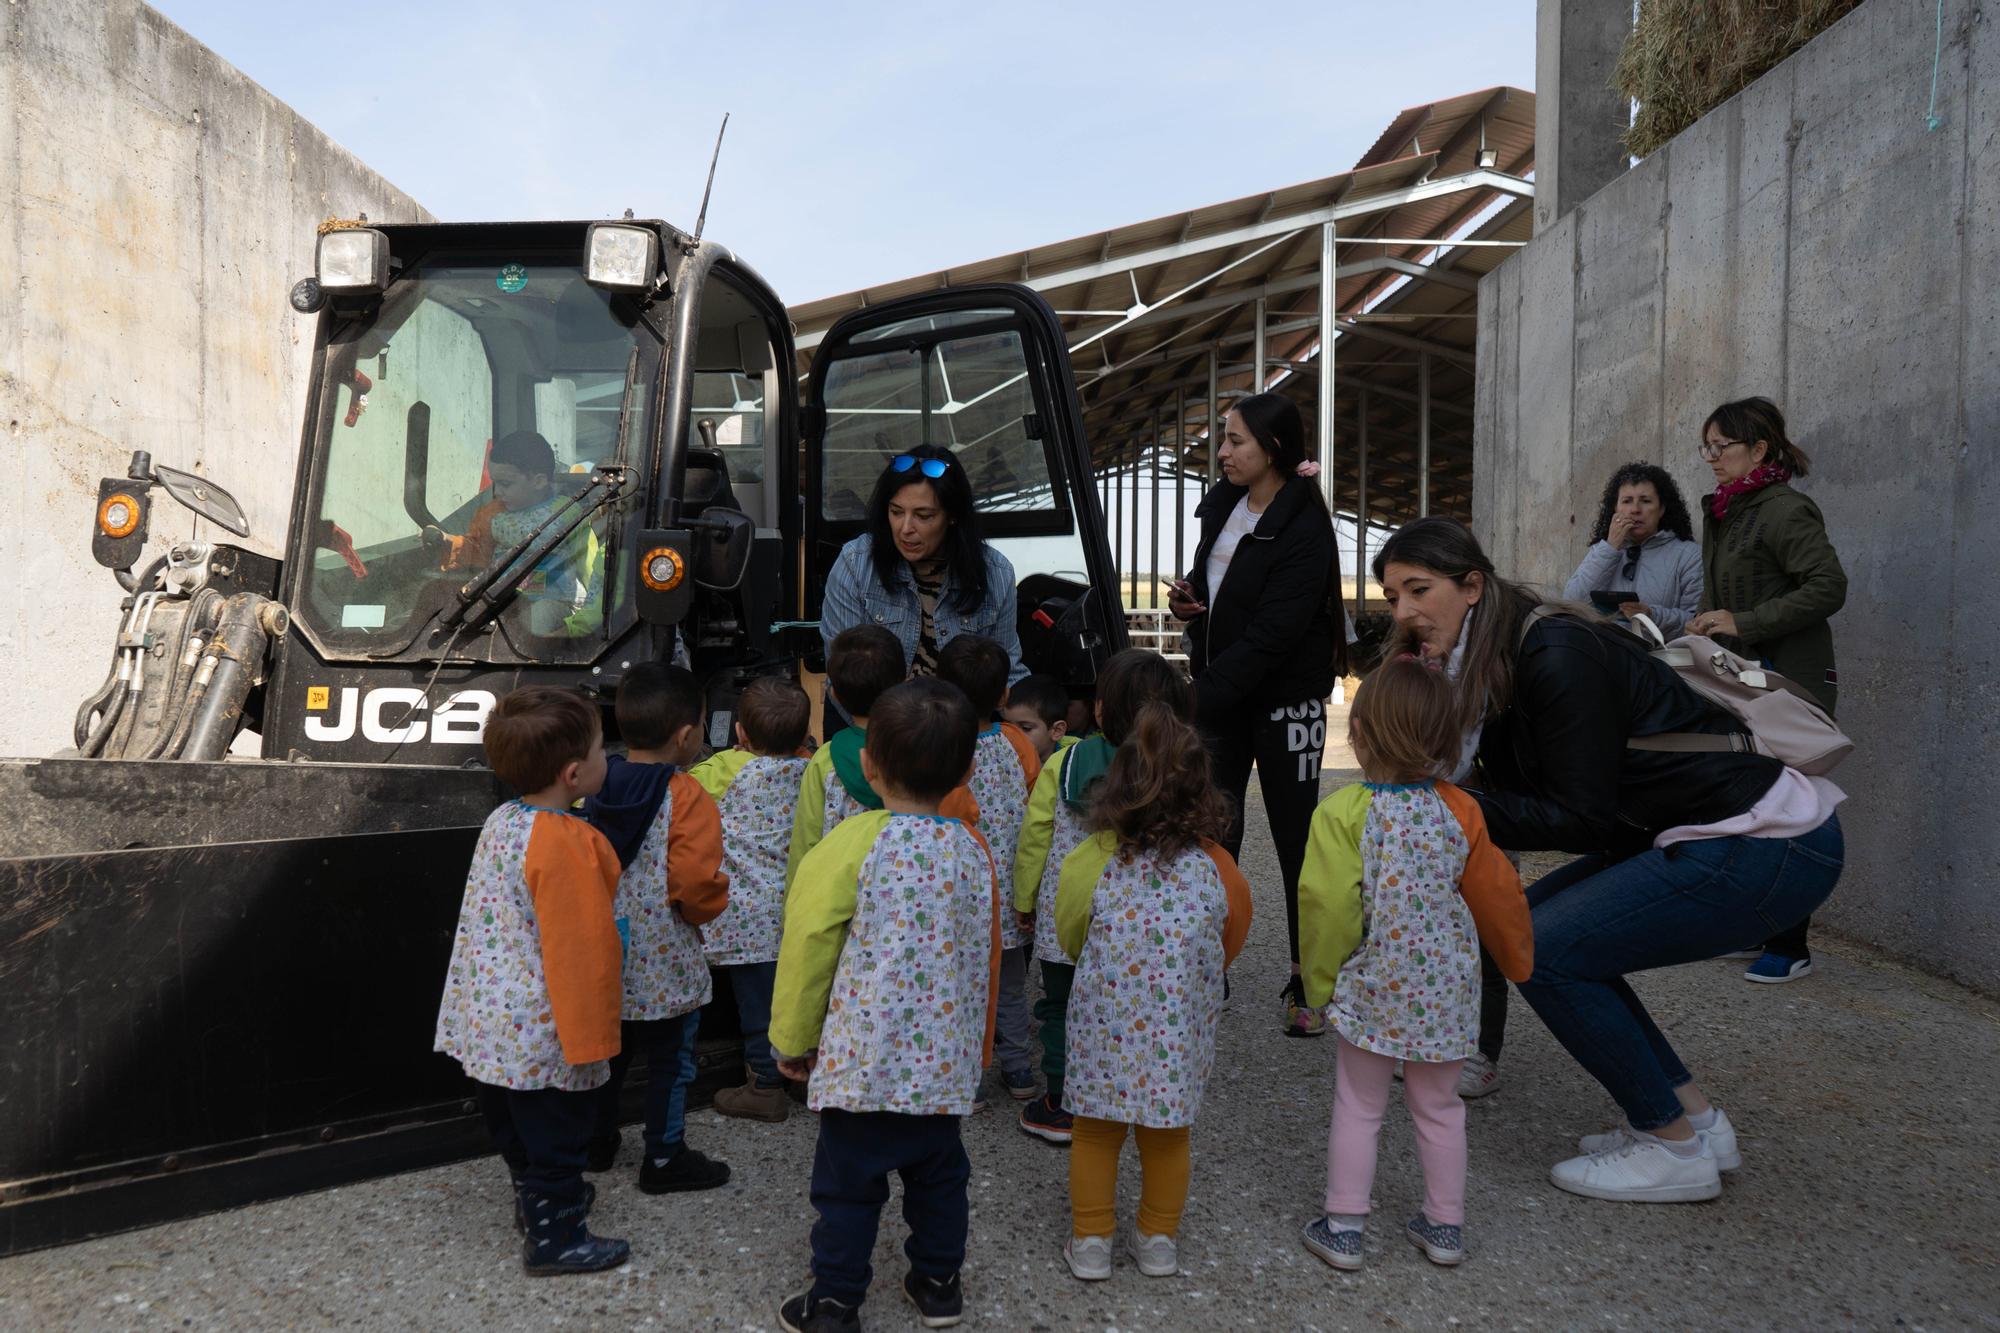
{"points": [[1158, 795]]}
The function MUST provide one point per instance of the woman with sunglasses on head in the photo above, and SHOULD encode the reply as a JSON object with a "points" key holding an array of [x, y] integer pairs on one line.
{"points": [[1772, 582], [1642, 552], [920, 569], [1267, 639]]}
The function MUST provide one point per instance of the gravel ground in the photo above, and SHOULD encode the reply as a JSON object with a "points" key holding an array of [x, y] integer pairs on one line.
{"points": [[1865, 1199]]}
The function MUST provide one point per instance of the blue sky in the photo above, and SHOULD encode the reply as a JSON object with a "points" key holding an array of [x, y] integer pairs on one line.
{"points": [[868, 141]]}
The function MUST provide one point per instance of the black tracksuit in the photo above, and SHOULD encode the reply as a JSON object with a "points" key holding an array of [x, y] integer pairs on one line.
{"points": [[1265, 658]]}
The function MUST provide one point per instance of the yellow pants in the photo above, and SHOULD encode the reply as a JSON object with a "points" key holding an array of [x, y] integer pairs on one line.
{"points": [[1093, 1177]]}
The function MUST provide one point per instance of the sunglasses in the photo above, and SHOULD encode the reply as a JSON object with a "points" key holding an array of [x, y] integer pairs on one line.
{"points": [[930, 467]]}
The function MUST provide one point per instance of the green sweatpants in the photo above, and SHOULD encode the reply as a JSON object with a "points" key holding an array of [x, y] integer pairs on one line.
{"points": [[1052, 1012]]}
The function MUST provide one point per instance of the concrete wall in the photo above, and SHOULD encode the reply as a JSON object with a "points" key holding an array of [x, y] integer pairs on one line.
{"points": [[1810, 240], [155, 208]]}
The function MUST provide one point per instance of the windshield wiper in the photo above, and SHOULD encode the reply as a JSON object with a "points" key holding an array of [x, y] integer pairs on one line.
{"points": [[483, 599]]}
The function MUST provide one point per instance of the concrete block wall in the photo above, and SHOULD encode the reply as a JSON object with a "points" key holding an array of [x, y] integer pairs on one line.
{"points": [[1814, 241], [155, 208]]}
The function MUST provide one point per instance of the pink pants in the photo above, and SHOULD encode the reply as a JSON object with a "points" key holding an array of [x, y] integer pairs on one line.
{"points": [[1360, 1096]]}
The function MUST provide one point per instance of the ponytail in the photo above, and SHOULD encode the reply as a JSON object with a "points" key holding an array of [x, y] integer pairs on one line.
{"points": [[1158, 796]]}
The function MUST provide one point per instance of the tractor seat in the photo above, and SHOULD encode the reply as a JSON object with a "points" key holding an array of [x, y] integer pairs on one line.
{"points": [[707, 483]]}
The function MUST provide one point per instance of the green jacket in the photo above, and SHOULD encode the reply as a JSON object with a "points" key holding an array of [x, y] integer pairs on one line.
{"points": [[1769, 563]]}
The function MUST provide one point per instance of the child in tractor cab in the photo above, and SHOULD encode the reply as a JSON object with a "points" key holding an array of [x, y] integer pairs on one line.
{"points": [[563, 595]]}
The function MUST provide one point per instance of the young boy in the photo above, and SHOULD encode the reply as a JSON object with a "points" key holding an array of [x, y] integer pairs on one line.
{"points": [[1039, 706], [668, 837], [860, 664], [757, 786], [531, 997], [1004, 769], [562, 594], [884, 995]]}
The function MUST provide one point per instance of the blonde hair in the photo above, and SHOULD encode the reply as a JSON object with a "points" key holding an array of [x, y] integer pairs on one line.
{"points": [[1404, 723]]}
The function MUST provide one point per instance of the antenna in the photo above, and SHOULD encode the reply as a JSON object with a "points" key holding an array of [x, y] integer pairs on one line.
{"points": [[702, 219]]}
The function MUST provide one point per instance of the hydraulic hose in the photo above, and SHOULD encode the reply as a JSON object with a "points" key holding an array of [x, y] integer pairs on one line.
{"points": [[80, 733], [249, 623], [187, 656]]}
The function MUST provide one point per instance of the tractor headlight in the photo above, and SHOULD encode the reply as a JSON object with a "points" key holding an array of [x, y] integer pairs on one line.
{"points": [[621, 256], [663, 569], [119, 514], [353, 260]]}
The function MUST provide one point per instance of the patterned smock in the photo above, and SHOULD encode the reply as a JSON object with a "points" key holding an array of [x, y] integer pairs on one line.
{"points": [[1004, 769], [758, 795], [890, 964], [1400, 887], [531, 994], [821, 804], [1052, 830], [1152, 936], [674, 885]]}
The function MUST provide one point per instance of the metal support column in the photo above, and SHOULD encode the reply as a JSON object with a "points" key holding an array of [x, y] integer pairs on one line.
{"points": [[1180, 480], [1214, 412], [1423, 434], [1258, 369], [1117, 509], [1132, 570], [1153, 575], [1327, 331], [1361, 502]]}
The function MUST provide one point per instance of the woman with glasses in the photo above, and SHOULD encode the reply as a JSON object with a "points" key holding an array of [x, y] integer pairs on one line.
{"points": [[1643, 558], [1772, 582], [1267, 638], [920, 569]]}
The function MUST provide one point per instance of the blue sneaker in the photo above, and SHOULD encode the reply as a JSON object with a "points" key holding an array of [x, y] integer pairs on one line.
{"points": [[1020, 1084], [1775, 969], [1339, 1246], [1440, 1242]]}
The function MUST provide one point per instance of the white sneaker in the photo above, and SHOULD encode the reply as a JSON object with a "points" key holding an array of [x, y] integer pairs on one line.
{"points": [[1157, 1256], [1478, 1077], [1640, 1171], [1719, 1137], [1089, 1257]]}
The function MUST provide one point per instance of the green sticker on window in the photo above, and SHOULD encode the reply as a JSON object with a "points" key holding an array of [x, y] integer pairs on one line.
{"points": [[512, 278]]}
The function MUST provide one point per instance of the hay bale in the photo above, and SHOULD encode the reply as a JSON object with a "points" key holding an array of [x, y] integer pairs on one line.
{"points": [[1687, 57]]}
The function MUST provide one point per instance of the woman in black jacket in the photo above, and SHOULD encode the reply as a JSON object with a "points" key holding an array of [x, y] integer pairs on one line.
{"points": [[1266, 638], [1684, 855]]}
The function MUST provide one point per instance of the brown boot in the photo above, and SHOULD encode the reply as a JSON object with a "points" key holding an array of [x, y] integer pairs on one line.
{"points": [[751, 1102]]}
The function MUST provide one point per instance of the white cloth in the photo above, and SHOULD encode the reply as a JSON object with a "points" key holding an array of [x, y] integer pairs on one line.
{"points": [[1242, 521], [1794, 807], [1468, 745]]}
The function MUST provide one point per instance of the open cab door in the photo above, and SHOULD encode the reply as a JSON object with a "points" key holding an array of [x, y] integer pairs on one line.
{"points": [[983, 371]]}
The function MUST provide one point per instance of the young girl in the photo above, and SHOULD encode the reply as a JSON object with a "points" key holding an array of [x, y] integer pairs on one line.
{"points": [[1400, 888], [1153, 910]]}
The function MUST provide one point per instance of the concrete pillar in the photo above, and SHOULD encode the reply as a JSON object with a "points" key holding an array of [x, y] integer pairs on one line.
{"points": [[1578, 117]]}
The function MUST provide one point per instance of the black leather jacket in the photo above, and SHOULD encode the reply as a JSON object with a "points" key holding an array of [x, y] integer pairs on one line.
{"points": [[1556, 771], [1275, 633]]}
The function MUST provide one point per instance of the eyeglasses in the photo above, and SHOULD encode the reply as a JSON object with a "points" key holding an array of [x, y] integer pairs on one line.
{"points": [[930, 467], [1711, 452]]}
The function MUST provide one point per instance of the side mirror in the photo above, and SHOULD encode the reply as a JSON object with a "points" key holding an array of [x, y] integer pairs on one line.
{"points": [[204, 497], [722, 539]]}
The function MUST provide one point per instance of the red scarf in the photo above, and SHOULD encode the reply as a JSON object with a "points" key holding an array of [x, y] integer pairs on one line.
{"points": [[1756, 479]]}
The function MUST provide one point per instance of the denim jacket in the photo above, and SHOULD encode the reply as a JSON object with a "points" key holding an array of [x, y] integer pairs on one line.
{"points": [[854, 596]]}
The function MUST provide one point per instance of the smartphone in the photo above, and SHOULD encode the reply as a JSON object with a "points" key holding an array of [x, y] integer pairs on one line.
{"points": [[1609, 602]]}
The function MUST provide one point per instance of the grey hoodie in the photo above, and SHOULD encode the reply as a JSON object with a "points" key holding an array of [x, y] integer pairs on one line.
{"points": [[1668, 579]]}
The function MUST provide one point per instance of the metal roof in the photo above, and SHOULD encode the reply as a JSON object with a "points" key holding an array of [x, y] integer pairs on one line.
{"points": [[1146, 304]]}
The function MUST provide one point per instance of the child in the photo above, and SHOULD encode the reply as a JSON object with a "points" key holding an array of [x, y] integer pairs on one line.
{"points": [[668, 836], [885, 992], [531, 998], [1004, 769], [1039, 706], [1401, 887], [1153, 910], [757, 785], [860, 664], [1056, 823], [562, 594]]}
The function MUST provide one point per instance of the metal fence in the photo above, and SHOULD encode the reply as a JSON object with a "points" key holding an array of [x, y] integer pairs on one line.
{"points": [[1156, 630]]}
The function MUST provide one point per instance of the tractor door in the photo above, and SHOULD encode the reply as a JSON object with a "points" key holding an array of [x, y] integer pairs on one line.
{"points": [[983, 371]]}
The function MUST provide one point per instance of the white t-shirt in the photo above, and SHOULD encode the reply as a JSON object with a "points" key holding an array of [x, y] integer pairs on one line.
{"points": [[1240, 523]]}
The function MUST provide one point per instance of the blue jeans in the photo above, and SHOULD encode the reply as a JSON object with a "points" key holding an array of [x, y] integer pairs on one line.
{"points": [[668, 1045], [850, 1182], [751, 984], [1597, 920]]}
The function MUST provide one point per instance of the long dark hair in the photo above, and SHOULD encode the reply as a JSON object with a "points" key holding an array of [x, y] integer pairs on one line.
{"points": [[1754, 419], [1447, 548], [1273, 421], [1158, 796], [1673, 509], [964, 552]]}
